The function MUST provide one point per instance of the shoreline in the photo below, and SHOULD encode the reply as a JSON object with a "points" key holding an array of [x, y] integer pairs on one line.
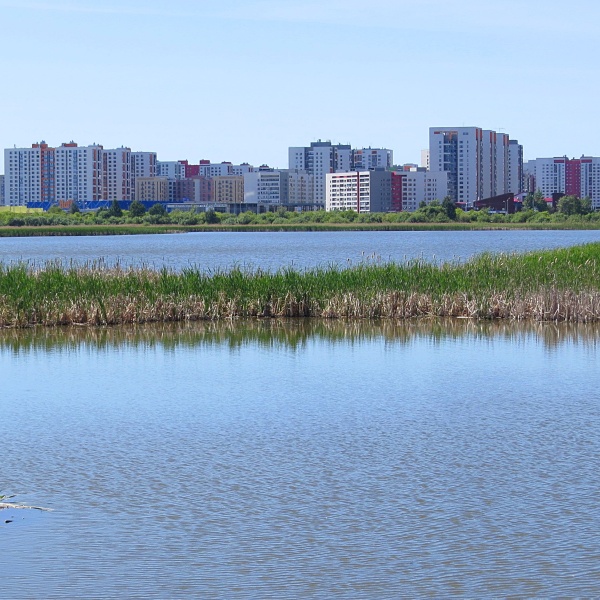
{"points": [[131, 229]]}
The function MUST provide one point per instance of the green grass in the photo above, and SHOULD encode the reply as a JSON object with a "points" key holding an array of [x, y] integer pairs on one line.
{"points": [[549, 285], [125, 229]]}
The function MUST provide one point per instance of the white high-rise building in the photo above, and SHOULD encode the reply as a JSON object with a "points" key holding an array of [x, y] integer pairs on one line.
{"points": [[371, 158], [1, 190], [241, 169], [117, 174], [458, 151], [362, 191], [23, 175], [569, 176], [78, 173], [478, 162], [318, 159], [419, 185], [515, 167], [262, 187], [172, 169], [297, 188], [143, 164]]}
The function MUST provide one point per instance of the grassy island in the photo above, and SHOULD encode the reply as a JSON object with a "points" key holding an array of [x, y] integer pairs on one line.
{"points": [[557, 285]]}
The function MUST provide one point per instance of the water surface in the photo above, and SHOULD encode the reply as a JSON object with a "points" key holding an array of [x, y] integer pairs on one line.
{"points": [[288, 460], [273, 250]]}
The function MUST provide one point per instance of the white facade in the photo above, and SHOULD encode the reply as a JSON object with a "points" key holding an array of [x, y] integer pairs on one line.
{"points": [[560, 175], [590, 180], [78, 173], [262, 187], [241, 169], [319, 159], [1, 190], [173, 169], [458, 151], [515, 167], [494, 165], [117, 174], [297, 187], [215, 169], [550, 175], [419, 185], [364, 159], [143, 164], [361, 191], [22, 179], [478, 162]]}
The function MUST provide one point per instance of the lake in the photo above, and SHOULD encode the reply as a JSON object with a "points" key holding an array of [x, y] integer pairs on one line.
{"points": [[274, 250], [273, 459]]}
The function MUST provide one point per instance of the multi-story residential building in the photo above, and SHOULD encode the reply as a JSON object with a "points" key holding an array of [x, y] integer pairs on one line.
{"points": [[560, 175], [172, 169], [414, 185], [458, 152], [476, 160], [515, 167], [228, 189], [494, 166], [297, 188], [262, 186], [208, 169], [29, 175], [1, 190], [362, 191], [365, 159], [117, 174], [190, 170], [319, 159], [241, 169], [143, 164], [152, 189], [78, 172]]}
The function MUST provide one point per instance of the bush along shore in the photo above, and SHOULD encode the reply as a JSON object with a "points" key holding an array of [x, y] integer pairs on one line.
{"points": [[569, 214], [557, 285]]}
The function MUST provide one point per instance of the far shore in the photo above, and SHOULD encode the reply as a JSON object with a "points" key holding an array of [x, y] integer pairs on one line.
{"points": [[144, 229]]}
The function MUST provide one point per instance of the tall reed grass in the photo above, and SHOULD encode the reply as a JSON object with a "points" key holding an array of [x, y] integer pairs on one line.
{"points": [[557, 285]]}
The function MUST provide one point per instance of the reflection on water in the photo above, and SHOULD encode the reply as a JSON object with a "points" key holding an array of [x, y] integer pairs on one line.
{"points": [[292, 333], [301, 459]]}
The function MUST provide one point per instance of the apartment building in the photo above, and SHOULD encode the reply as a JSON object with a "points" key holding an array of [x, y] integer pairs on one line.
{"points": [[478, 161], [152, 189], [560, 175], [143, 164], [297, 188], [362, 191], [319, 159], [78, 173], [173, 169], [22, 176], [365, 159], [228, 189], [262, 186], [414, 185], [117, 174]]}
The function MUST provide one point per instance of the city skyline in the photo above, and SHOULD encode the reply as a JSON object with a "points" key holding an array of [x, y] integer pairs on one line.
{"points": [[243, 82]]}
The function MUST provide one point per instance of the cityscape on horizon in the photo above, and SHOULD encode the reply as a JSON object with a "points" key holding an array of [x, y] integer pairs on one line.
{"points": [[468, 165]]}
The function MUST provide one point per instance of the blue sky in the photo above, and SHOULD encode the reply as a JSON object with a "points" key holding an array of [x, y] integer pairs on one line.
{"points": [[242, 80]]}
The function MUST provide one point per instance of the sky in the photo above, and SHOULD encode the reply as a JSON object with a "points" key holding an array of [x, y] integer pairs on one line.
{"points": [[242, 80]]}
